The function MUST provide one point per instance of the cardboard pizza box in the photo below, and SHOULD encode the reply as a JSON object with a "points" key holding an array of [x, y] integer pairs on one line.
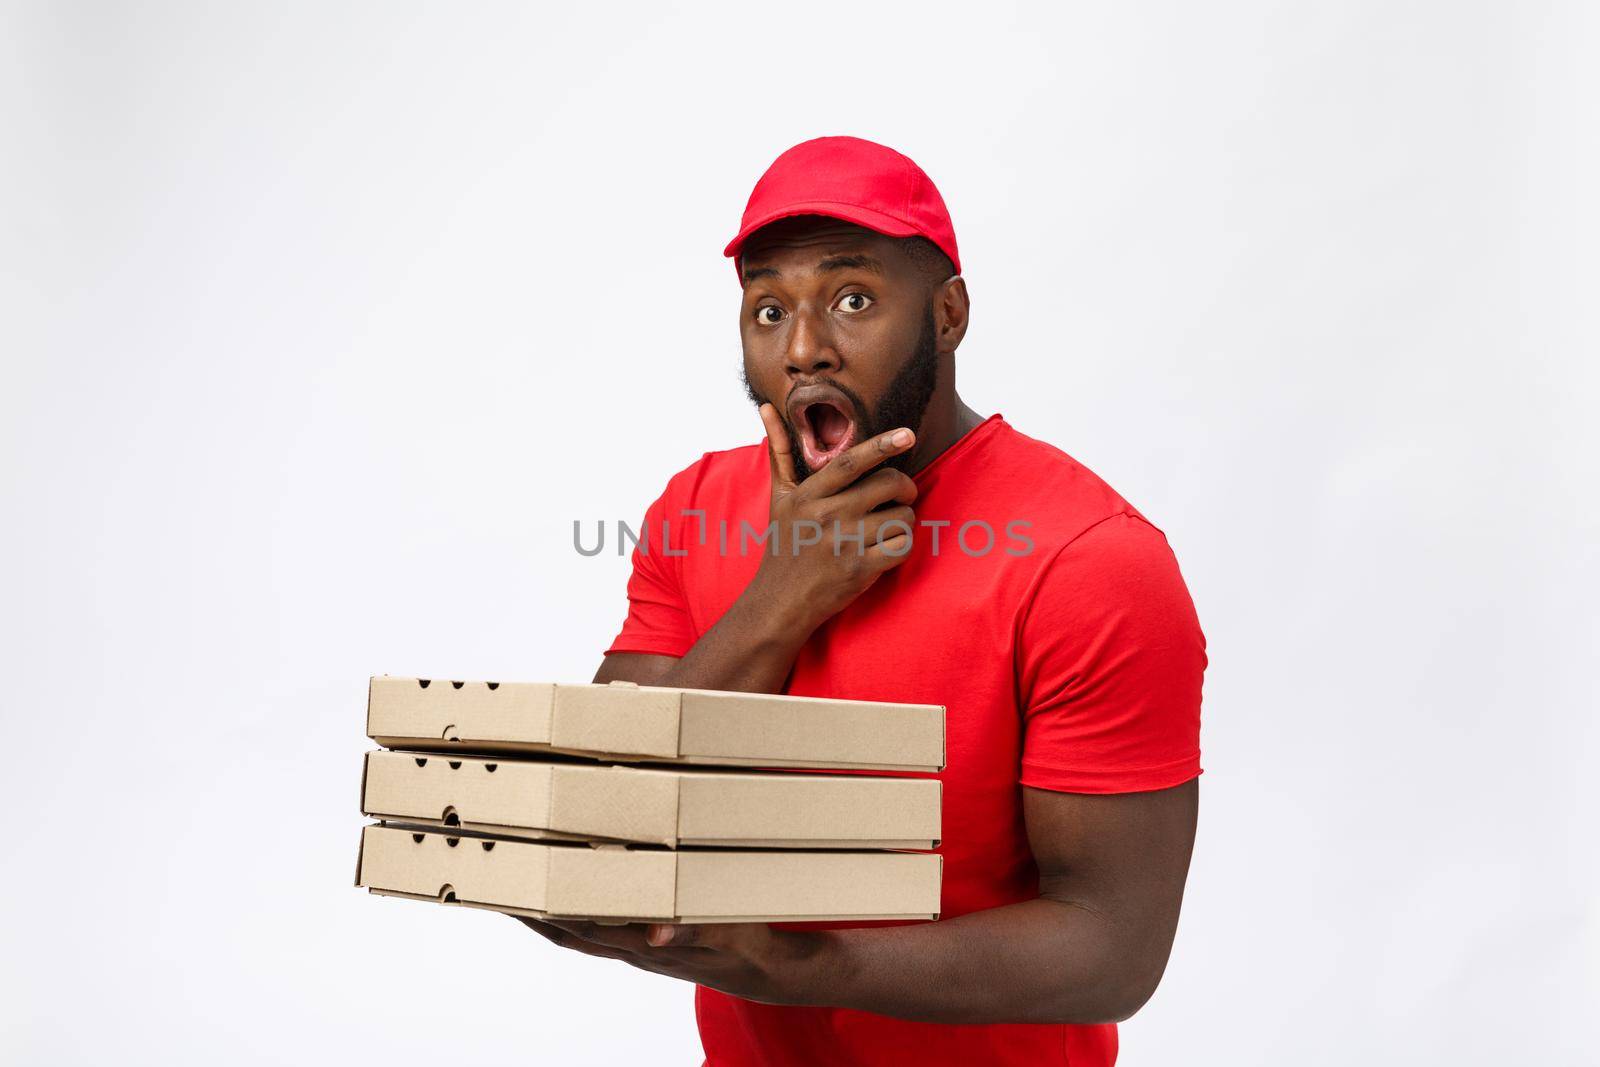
{"points": [[540, 799], [632, 723], [616, 883]]}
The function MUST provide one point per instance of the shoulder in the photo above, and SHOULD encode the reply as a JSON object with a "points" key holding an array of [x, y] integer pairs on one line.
{"points": [[1062, 499], [718, 473], [1094, 552]]}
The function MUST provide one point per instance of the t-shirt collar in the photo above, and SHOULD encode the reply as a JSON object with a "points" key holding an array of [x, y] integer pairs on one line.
{"points": [[965, 443]]}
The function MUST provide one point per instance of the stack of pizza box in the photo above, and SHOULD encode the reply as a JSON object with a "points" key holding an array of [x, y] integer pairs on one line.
{"points": [[625, 803]]}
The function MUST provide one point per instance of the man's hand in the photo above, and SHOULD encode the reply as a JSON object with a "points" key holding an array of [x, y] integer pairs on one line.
{"points": [[830, 543], [805, 577], [748, 960]]}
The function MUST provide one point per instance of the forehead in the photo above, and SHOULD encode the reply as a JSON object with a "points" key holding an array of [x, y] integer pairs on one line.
{"points": [[797, 245]]}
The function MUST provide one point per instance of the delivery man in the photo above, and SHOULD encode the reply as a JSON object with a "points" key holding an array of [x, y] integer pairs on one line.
{"points": [[886, 542]]}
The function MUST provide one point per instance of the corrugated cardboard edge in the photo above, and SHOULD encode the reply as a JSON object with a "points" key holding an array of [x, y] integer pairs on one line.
{"points": [[650, 805], [434, 746], [617, 919], [531, 834], [366, 761], [682, 920], [663, 753]]}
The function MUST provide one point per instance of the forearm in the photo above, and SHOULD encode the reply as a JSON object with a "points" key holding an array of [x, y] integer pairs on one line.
{"points": [[751, 649], [1039, 961]]}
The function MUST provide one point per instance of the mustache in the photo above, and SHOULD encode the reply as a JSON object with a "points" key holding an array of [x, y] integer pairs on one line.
{"points": [[861, 413]]}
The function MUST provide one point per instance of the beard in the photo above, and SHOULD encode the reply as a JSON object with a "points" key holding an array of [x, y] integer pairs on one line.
{"points": [[903, 403]]}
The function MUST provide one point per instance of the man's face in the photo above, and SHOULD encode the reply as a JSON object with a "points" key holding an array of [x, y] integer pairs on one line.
{"points": [[838, 333]]}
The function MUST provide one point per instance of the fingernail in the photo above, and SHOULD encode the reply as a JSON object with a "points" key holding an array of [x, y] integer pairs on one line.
{"points": [[659, 935], [900, 437]]}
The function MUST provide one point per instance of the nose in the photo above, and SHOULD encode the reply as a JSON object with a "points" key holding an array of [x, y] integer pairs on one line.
{"points": [[810, 348]]}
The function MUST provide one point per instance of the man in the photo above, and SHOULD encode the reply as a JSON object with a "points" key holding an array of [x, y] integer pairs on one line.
{"points": [[921, 552]]}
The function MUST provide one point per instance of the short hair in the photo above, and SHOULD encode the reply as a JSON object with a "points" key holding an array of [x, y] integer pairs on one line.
{"points": [[928, 259]]}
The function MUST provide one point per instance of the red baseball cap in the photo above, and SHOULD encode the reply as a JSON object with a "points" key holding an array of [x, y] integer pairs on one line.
{"points": [[854, 180]]}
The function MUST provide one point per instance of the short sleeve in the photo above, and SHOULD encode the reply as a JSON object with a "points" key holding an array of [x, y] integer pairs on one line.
{"points": [[658, 621], [1110, 663]]}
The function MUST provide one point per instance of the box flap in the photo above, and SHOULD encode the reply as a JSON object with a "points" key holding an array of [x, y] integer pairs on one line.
{"points": [[613, 883], [552, 879], [808, 810], [809, 730], [541, 799], [655, 723], [638, 720], [447, 711], [451, 788], [728, 885], [454, 868], [622, 803]]}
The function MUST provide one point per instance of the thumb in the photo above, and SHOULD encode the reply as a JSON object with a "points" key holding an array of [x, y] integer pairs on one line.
{"points": [[778, 448]]}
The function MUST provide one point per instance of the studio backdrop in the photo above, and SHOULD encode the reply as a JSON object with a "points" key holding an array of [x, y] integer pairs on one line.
{"points": [[321, 325]]}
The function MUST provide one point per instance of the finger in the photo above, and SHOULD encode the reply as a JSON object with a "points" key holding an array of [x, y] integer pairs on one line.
{"points": [[663, 935], [879, 487], [880, 526], [852, 537], [628, 938], [889, 553], [736, 937], [779, 454], [561, 934], [548, 931], [857, 460]]}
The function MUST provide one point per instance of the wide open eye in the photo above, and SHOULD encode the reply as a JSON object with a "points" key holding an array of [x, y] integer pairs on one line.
{"points": [[854, 303], [766, 319]]}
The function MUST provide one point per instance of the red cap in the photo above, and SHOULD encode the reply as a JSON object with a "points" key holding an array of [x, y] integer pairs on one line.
{"points": [[854, 180]]}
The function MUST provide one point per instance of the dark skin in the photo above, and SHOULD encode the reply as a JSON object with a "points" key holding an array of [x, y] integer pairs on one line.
{"points": [[1093, 945]]}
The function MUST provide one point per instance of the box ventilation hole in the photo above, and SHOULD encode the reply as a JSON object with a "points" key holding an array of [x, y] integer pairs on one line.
{"points": [[451, 818], [423, 682], [422, 761], [418, 838], [491, 767], [455, 765], [488, 846], [447, 893], [452, 841], [458, 685], [492, 685]]}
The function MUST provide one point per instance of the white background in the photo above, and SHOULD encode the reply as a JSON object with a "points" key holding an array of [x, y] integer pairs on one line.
{"points": [[321, 323]]}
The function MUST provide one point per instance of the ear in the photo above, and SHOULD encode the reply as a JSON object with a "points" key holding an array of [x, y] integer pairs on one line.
{"points": [[951, 310]]}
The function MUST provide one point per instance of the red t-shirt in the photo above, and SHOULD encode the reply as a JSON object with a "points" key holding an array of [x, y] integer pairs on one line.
{"points": [[1068, 657]]}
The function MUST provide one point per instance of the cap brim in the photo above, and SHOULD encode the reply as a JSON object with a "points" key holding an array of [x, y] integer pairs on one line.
{"points": [[861, 216]]}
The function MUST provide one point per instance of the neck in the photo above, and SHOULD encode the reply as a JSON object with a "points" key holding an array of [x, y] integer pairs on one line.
{"points": [[942, 426]]}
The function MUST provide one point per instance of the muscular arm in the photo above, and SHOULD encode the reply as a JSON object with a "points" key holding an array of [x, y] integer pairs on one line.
{"points": [[1091, 948], [738, 654]]}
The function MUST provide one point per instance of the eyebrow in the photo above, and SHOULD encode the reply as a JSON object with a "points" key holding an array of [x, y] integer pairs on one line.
{"points": [[858, 261], [832, 263]]}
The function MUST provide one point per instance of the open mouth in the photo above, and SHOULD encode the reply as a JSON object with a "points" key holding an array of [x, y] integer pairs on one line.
{"points": [[826, 429]]}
